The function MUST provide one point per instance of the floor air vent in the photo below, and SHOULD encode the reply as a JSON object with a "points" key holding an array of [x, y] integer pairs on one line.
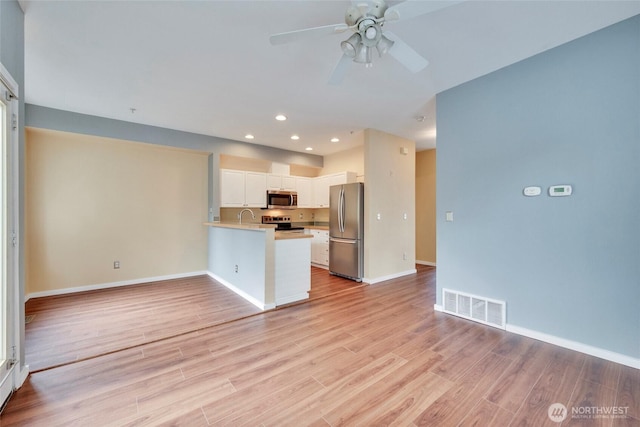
{"points": [[479, 309]]}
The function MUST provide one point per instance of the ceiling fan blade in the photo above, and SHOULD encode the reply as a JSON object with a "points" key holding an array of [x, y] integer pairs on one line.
{"points": [[412, 8], [337, 76], [405, 55], [307, 33]]}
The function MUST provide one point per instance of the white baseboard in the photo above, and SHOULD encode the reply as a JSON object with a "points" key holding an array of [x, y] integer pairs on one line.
{"points": [[111, 285], [293, 298], [571, 345], [261, 305], [389, 277], [576, 346], [432, 264]]}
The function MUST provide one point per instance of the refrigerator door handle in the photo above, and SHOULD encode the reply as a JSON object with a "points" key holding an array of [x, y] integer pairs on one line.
{"points": [[342, 210], [351, 242]]}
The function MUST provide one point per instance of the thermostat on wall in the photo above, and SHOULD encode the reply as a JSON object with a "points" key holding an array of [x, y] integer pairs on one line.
{"points": [[532, 191], [560, 190]]}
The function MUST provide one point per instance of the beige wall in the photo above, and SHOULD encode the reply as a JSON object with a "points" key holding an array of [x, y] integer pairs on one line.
{"points": [[426, 207], [390, 192], [91, 201], [351, 160]]}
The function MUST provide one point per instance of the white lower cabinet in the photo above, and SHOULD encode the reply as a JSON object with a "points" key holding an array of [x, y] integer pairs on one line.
{"points": [[319, 247]]}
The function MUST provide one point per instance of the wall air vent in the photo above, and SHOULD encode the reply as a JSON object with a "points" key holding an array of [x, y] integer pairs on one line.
{"points": [[479, 309]]}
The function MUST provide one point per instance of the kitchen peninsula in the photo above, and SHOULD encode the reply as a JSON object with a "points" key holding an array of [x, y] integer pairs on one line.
{"points": [[266, 267]]}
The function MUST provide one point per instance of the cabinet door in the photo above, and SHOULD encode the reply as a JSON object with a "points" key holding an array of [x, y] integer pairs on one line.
{"points": [[316, 247], [323, 248], [274, 182], [289, 183], [305, 192], [337, 179], [255, 189], [321, 192], [231, 188]]}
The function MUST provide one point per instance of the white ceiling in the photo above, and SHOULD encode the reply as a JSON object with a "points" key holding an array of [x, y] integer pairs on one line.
{"points": [[208, 67]]}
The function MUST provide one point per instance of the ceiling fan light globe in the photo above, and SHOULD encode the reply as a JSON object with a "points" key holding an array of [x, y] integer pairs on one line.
{"points": [[371, 33], [363, 55], [384, 45], [350, 45]]}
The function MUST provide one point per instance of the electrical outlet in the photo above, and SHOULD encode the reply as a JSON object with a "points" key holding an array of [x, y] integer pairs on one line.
{"points": [[236, 268], [116, 265], [404, 256], [300, 216]]}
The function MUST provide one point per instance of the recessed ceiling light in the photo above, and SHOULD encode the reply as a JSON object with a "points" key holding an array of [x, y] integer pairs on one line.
{"points": [[335, 140], [295, 137], [248, 136], [281, 117], [309, 149]]}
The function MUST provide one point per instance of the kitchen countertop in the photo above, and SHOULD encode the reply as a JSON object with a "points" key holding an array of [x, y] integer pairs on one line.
{"points": [[317, 227], [247, 226], [284, 235], [279, 235]]}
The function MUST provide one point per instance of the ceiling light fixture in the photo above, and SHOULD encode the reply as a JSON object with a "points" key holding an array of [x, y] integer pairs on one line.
{"points": [[335, 140], [368, 35], [248, 136], [295, 137], [281, 117], [309, 149]]}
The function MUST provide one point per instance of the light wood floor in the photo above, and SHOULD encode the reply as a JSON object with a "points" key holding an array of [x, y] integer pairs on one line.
{"points": [[375, 355], [67, 328]]}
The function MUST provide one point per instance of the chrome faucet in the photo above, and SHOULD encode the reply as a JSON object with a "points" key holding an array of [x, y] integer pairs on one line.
{"points": [[243, 211]]}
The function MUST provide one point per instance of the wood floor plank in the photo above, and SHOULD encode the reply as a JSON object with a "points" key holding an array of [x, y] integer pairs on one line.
{"points": [[453, 406], [518, 379], [371, 355], [556, 385], [588, 395], [486, 413], [359, 408], [358, 381], [628, 395]]}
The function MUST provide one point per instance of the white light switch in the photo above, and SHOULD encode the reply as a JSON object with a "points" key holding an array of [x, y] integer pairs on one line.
{"points": [[404, 216], [448, 216]]}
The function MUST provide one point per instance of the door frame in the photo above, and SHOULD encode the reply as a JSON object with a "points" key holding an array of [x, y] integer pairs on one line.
{"points": [[15, 375]]}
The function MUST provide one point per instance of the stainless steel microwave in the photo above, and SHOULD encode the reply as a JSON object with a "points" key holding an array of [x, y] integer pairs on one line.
{"points": [[278, 199]]}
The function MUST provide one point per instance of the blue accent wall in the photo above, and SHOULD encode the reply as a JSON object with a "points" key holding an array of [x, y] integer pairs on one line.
{"points": [[566, 266]]}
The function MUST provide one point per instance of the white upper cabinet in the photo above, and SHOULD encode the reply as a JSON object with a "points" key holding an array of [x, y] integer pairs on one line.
{"points": [[323, 183], [305, 191], [242, 189], [239, 189], [321, 192], [281, 182]]}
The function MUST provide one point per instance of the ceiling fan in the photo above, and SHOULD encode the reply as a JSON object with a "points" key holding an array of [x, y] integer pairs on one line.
{"points": [[365, 19]]}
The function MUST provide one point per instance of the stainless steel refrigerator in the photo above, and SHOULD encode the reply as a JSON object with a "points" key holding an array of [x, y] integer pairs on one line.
{"points": [[346, 230]]}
